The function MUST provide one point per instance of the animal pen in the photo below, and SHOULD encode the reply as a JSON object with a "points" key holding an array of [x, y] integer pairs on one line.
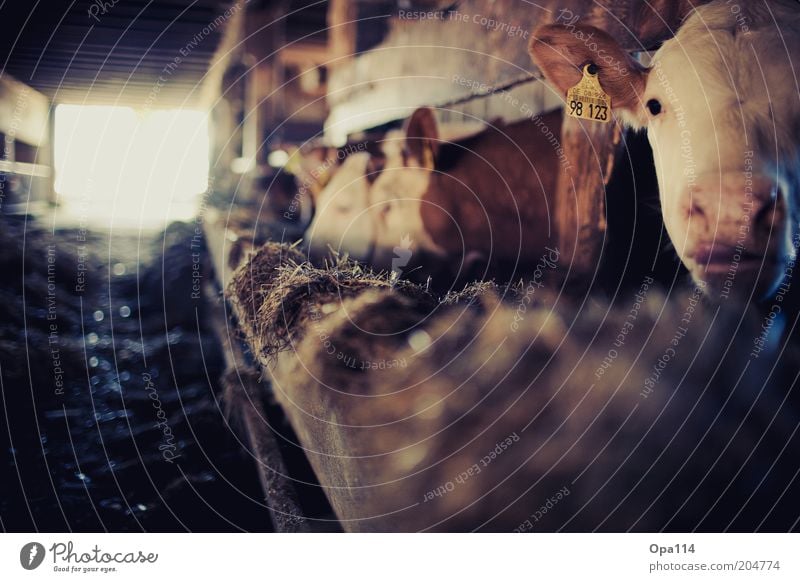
{"points": [[591, 383], [401, 397]]}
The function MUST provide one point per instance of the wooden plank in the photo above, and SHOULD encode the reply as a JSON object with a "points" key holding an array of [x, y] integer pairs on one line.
{"points": [[242, 380], [25, 169]]}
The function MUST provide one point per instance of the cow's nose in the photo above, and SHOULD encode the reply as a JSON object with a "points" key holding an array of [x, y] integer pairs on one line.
{"points": [[718, 200]]}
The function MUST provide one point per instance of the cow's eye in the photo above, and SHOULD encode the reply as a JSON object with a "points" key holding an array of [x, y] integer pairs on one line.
{"points": [[375, 166], [654, 106]]}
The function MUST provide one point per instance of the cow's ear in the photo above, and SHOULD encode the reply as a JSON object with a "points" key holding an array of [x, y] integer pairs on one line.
{"points": [[561, 52], [422, 137]]}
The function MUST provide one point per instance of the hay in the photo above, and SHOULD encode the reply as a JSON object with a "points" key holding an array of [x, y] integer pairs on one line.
{"points": [[275, 291]]}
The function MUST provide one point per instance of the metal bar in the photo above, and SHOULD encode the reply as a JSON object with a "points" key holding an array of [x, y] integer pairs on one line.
{"points": [[280, 495]]}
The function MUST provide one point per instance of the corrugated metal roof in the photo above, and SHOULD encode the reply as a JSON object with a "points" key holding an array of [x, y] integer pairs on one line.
{"points": [[107, 51]]}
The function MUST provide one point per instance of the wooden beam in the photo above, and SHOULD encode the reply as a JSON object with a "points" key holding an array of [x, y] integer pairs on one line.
{"points": [[304, 54], [580, 198], [227, 52], [25, 169], [342, 23], [24, 113]]}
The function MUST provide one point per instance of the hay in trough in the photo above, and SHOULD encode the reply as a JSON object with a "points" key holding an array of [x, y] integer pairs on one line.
{"points": [[276, 291], [516, 409]]}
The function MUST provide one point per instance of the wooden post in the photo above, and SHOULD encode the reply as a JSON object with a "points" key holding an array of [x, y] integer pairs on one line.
{"points": [[580, 199], [342, 17]]}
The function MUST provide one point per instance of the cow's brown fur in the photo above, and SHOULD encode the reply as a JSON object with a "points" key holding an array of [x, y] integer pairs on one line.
{"points": [[493, 193]]}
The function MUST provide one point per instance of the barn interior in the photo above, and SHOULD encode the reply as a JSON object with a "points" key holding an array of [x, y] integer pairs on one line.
{"points": [[178, 352]]}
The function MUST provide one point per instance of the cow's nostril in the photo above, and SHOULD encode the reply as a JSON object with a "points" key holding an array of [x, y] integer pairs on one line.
{"points": [[695, 210], [767, 216]]}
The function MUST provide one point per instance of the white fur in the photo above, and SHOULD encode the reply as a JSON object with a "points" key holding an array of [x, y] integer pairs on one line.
{"points": [[367, 221], [342, 220], [397, 201]]}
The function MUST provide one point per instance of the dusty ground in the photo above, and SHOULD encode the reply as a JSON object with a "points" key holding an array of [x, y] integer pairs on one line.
{"points": [[111, 418]]}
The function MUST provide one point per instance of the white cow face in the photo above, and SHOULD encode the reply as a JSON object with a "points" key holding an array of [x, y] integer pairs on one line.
{"points": [[721, 108], [371, 207], [401, 176], [342, 219]]}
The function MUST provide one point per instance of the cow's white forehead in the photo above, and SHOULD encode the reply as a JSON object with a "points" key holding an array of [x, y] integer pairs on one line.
{"points": [[748, 17], [770, 27], [739, 63]]}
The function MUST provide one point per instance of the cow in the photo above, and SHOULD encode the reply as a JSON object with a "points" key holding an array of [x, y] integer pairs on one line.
{"points": [[483, 203], [721, 108], [341, 219]]}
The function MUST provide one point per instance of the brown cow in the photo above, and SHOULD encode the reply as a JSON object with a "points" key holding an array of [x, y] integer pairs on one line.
{"points": [[486, 199], [720, 105]]}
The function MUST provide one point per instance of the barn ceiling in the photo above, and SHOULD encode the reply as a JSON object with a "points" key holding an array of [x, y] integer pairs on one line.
{"points": [[115, 51]]}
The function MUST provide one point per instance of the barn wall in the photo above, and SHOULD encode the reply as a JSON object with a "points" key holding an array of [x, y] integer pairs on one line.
{"points": [[431, 58], [266, 88], [26, 149]]}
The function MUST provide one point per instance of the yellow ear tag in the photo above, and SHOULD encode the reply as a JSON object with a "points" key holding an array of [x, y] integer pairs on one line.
{"points": [[587, 100]]}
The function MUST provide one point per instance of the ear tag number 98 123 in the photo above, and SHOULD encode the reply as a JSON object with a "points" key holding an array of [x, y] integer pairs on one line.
{"points": [[587, 100]]}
